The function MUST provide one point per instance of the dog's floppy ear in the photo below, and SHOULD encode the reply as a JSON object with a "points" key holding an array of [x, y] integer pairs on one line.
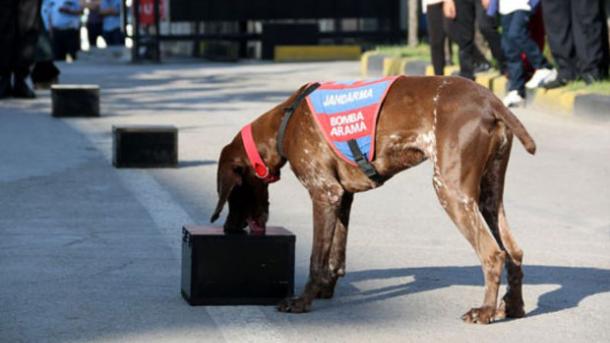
{"points": [[228, 178]]}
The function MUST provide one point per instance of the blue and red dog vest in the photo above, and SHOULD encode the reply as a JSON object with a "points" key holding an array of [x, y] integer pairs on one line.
{"points": [[346, 111]]}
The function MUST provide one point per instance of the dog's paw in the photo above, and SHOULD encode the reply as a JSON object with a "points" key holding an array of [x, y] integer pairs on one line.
{"points": [[508, 309], [500, 313], [326, 292], [294, 305], [481, 315]]}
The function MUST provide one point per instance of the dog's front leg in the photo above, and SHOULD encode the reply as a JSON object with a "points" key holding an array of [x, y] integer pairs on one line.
{"points": [[326, 210], [336, 258]]}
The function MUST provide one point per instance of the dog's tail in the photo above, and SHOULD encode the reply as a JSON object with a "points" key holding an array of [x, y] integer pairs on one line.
{"points": [[502, 113]]}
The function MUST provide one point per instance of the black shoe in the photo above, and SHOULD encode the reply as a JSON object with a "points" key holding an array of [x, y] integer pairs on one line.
{"points": [[589, 78], [46, 84], [22, 90], [554, 84], [482, 67], [5, 86]]}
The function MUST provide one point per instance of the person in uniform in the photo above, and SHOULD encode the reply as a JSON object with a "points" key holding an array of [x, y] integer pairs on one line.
{"points": [[65, 25], [111, 28]]}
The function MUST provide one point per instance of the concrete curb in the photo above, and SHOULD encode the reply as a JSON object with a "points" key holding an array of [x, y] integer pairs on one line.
{"points": [[592, 106], [581, 104], [561, 101], [307, 53], [371, 64], [375, 64], [447, 71], [558, 100]]}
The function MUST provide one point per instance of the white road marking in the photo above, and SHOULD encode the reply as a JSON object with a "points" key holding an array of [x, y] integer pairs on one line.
{"points": [[237, 324]]}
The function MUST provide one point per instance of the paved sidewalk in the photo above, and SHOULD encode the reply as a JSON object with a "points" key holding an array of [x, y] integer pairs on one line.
{"points": [[89, 252]]}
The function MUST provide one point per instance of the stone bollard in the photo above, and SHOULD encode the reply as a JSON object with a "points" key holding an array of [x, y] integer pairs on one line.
{"points": [[144, 146], [75, 100]]}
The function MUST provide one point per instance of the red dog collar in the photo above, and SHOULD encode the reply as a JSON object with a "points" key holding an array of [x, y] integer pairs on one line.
{"points": [[260, 169]]}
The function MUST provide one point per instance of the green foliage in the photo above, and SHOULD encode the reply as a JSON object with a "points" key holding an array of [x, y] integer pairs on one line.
{"points": [[602, 87], [422, 51]]}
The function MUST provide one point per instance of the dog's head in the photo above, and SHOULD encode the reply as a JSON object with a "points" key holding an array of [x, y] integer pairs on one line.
{"points": [[248, 195]]}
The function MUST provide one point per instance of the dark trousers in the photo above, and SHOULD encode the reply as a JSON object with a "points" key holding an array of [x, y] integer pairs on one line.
{"points": [[94, 30], [113, 37], [65, 41], [576, 33], [437, 36], [462, 29], [516, 40], [19, 29]]}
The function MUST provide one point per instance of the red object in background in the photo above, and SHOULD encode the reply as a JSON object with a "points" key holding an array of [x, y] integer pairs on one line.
{"points": [[536, 28], [147, 11]]}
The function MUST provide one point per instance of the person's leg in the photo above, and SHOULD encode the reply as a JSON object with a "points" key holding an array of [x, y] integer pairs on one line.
{"points": [[480, 61], [605, 43], [558, 25], [461, 30], [98, 31], [107, 38], [524, 41], [73, 42], [28, 31], [436, 33], [59, 48], [120, 37], [8, 27], [115, 37], [91, 35], [44, 73], [489, 29], [510, 43], [588, 22], [8, 30]]}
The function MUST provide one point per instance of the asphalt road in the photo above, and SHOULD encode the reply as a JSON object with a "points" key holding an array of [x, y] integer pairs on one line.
{"points": [[90, 253]]}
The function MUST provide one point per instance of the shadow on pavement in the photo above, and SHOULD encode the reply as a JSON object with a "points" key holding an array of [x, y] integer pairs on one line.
{"points": [[196, 163], [576, 283]]}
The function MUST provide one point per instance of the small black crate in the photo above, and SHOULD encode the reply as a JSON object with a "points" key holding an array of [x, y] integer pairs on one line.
{"points": [[236, 269], [75, 100], [140, 146]]}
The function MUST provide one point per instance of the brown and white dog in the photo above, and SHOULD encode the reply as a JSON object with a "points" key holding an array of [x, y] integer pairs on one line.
{"points": [[460, 126]]}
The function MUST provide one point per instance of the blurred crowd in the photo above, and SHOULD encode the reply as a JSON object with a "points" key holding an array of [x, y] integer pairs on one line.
{"points": [[516, 31], [34, 33]]}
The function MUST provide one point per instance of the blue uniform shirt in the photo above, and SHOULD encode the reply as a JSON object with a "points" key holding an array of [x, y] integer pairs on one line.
{"points": [[61, 20], [45, 12], [111, 22]]}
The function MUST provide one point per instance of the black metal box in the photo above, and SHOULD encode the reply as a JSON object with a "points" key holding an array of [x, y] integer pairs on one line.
{"points": [[236, 269], [144, 146], [75, 100]]}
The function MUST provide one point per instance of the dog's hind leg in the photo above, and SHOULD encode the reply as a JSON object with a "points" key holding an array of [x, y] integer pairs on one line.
{"points": [[326, 212], [336, 259], [492, 208], [457, 176]]}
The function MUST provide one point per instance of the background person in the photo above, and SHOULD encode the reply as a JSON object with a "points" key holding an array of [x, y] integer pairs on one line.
{"points": [[436, 33], [19, 28], [94, 22], [111, 12], [516, 40], [578, 38], [44, 73], [462, 15], [65, 26]]}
